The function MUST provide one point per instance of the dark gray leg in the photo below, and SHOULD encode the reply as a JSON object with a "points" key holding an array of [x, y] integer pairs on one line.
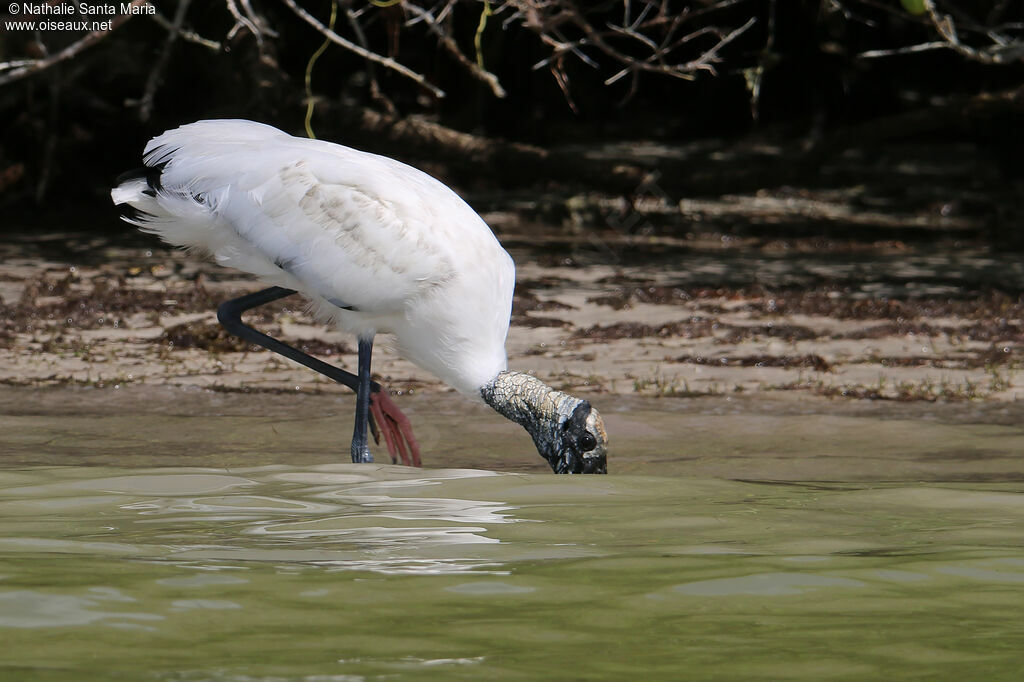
{"points": [[230, 315], [360, 446]]}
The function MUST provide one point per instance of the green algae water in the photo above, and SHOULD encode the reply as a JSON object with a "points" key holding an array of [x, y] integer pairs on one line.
{"points": [[345, 572], [731, 541]]}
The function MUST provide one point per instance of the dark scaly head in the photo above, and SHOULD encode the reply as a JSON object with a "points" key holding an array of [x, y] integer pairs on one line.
{"points": [[567, 431]]}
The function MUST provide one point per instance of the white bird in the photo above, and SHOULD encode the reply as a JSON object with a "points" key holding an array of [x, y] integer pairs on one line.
{"points": [[376, 246]]}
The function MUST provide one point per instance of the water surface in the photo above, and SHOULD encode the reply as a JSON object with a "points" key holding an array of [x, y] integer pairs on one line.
{"points": [[163, 534], [345, 572]]}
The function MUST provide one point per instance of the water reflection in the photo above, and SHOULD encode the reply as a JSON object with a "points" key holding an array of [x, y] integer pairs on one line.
{"points": [[766, 584], [325, 516], [346, 572], [32, 609]]}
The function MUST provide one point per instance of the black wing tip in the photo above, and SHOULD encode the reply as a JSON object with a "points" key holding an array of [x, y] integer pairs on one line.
{"points": [[133, 215], [133, 174], [151, 174]]}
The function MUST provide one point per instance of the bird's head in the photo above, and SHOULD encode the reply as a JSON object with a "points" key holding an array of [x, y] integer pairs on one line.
{"points": [[567, 431], [579, 444]]}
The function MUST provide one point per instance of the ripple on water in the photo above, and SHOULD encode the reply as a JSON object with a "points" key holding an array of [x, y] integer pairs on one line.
{"points": [[347, 571], [202, 580], [35, 609], [765, 584]]}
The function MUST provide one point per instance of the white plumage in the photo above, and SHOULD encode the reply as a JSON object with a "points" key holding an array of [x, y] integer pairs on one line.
{"points": [[341, 226], [374, 244]]}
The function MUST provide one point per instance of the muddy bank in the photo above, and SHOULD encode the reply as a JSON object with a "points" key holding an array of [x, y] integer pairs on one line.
{"points": [[924, 322], [791, 436], [881, 284]]}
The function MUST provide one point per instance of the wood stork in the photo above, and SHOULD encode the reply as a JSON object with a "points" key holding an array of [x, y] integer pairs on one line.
{"points": [[376, 246]]}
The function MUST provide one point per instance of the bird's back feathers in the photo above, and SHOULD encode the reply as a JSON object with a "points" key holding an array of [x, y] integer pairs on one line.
{"points": [[375, 244]]}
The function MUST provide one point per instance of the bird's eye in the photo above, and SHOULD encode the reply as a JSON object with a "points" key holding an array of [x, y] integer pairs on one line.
{"points": [[586, 442]]}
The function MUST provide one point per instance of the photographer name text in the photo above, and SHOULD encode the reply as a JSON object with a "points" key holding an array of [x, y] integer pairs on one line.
{"points": [[64, 9]]}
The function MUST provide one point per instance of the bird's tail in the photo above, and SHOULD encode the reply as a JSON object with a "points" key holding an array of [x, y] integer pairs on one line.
{"points": [[189, 172], [177, 219], [135, 195]]}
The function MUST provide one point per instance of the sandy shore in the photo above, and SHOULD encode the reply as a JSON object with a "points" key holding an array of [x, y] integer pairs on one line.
{"points": [[703, 315]]}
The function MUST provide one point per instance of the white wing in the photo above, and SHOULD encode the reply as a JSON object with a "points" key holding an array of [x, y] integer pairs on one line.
{"points": [[375, 244], [353, 228]]}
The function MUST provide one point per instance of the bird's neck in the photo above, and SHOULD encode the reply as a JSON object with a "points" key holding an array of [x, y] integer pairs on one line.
{"points": [[530, 402]]}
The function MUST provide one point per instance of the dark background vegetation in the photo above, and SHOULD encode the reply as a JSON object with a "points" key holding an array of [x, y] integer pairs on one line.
{"points": [[804, 76]]}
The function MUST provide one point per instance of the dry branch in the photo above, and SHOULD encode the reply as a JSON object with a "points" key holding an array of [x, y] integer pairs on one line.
{"points": [[156, 73], [445, 39], [1002, 47], [27, 67], [386, 62], [652, 41]]}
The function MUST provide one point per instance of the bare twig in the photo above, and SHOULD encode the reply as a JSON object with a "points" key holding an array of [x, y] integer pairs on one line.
{"points": [[257, 20], [910, 49], [186, 34], [17, 64], [153, 81], [995, 54], [247, 21], [754, 76], [950, 28], [371, 70], [710, 57], [27, 67], [386, 62], [448, 43], [50, 146], [645, 42]]}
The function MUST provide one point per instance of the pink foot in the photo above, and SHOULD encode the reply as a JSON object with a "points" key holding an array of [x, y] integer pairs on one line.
{"points": [[396, 429]]}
